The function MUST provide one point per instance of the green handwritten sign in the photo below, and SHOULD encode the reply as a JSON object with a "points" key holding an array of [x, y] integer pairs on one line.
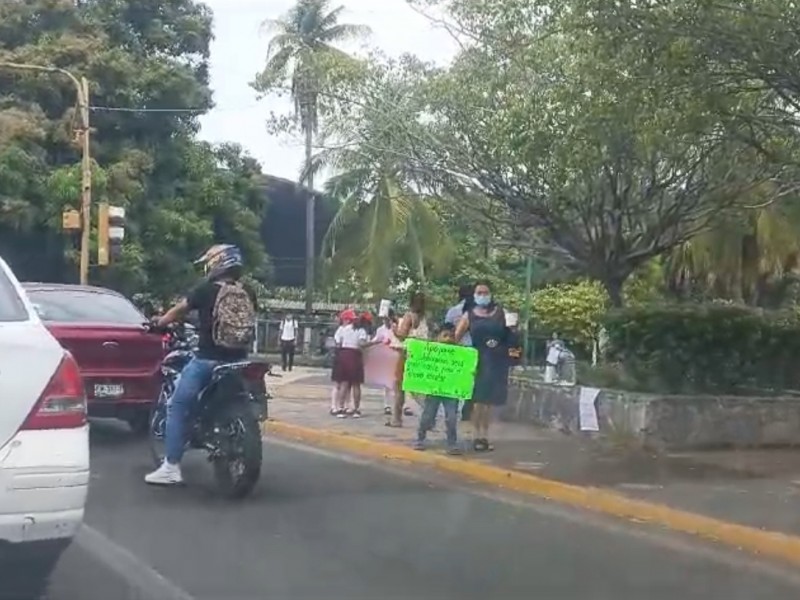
{"points": [[435, 369]]}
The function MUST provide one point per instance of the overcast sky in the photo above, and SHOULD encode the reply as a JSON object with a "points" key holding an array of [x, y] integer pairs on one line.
{"points": [[239, 52]]}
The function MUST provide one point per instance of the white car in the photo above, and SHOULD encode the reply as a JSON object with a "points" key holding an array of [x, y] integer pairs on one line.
{"points": [[44, 445]]}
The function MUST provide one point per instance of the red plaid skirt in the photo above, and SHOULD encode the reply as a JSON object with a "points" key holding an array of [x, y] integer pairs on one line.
{"points": [[348, 366]]}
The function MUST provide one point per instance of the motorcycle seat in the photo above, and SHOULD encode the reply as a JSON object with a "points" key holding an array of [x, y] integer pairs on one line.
{"points": [[226, 368]]}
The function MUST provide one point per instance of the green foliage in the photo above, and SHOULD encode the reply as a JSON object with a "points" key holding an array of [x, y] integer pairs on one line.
{"points": [[303, 61], [737, 56], [709, 348], [504, 272], [614, 171], [608, 375], [646, 284], [753, 257], [181, 195], [386, 224], [302, 58], [574, 310], [602, 142]]}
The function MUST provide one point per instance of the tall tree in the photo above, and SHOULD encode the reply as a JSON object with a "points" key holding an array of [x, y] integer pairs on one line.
{"points": [[547, 120], [752, 257], [739, 55], [388, 220], [142, 59], [302, 54]]}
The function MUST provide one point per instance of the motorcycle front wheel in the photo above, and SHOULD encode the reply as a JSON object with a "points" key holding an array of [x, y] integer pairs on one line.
{"points": [[237, 464]]}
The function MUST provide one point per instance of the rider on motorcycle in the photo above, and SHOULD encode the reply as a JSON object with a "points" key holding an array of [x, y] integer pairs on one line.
{"points": [[226, 311]]}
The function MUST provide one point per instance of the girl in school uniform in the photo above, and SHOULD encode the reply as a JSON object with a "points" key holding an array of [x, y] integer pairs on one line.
{"points": [[348, 365]]}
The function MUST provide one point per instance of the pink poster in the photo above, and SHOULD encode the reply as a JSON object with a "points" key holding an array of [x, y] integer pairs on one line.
{"points": [[380, 364]]}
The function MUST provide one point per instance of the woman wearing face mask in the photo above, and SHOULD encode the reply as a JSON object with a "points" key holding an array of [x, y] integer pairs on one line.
{"points": [[486, 324]]}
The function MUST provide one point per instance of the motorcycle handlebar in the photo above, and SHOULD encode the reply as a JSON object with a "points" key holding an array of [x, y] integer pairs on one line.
{"points": [[152, 327]]}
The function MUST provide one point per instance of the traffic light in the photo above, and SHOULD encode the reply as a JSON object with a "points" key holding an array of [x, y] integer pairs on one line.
{"points": [[70, 220], [110, 232]]}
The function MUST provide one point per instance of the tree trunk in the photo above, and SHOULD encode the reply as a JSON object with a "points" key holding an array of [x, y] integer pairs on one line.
{"points": [[614, 288], [310, 212]]}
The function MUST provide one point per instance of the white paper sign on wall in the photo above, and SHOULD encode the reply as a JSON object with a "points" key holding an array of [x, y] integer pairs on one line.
{"points": [[587, 413]]}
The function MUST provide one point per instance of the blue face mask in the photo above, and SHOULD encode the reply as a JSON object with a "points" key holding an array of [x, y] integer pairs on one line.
{"points": [[483, 300]]}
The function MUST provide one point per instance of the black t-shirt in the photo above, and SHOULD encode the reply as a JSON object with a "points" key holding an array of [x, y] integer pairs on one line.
{"points": [[202, 299]]}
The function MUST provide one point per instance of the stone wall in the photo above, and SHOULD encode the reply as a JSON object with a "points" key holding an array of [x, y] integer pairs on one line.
{"points": [[662, 422]]}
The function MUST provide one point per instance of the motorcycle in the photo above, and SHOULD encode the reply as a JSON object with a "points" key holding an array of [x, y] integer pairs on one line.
{"points": [[225, 419]]}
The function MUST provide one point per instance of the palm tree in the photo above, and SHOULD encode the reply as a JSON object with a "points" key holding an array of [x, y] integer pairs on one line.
{"points": [[752, 257], [386, 222], [299, 53]]}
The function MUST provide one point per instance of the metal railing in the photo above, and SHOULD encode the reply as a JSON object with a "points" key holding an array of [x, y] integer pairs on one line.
{"points": [[311, 337]]}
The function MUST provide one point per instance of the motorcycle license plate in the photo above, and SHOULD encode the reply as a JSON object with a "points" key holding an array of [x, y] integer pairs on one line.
{"points": [[108, 390]]}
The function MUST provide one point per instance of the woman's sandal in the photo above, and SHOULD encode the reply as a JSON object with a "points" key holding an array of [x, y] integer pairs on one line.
{"points": [[482, 445]]}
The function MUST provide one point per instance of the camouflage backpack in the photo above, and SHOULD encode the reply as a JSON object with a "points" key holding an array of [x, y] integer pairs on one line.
{"points": [[234, 317]]}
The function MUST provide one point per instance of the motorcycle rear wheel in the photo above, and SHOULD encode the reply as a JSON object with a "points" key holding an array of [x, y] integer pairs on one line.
{"points": [[157, 423], [237, 467], [156, 432]]}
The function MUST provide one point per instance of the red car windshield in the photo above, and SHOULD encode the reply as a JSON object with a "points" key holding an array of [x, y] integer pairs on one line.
{"points": [[79, 306]]}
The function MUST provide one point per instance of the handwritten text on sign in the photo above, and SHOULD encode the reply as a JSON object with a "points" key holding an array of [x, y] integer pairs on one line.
{"points": [[434, 369]]}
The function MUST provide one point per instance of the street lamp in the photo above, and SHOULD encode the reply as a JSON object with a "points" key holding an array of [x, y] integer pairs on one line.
{"points": [[82, 90]]}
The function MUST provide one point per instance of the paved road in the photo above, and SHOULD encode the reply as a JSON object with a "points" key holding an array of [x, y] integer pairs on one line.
{"points": [[322, 527]]}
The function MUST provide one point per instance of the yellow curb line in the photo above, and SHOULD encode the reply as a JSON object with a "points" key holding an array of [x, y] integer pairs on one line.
{"points": [[764, 543]]}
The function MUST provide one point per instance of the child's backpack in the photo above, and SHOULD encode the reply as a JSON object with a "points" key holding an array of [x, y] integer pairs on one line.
{"points": [[233, 317]]}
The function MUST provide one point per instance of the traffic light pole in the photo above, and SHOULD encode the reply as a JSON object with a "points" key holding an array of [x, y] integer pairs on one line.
{"points": [[526, 342], [86, 181], [82, 89]]}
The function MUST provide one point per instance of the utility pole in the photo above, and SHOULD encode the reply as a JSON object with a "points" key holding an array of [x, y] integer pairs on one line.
{"points": [[310, 227], [308, 120], [82, 91]]}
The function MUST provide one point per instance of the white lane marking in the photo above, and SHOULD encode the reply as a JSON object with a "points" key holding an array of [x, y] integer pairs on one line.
{"points": [[132, 570], [670, 540]]}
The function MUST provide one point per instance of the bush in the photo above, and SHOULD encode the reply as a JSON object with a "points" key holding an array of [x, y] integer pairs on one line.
{"points": [[607, 375], [574, 310], [706, 348]]}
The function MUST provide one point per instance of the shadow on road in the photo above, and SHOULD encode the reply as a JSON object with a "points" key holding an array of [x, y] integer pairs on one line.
{"points": [[111, 432]]}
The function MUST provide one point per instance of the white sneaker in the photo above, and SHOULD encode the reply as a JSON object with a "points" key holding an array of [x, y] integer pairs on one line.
{"points": [[166, 474]]}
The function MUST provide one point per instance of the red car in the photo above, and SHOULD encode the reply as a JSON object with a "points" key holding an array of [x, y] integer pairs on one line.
{"points": [[119, 360]]}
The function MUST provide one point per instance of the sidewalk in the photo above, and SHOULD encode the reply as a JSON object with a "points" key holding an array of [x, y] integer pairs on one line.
{"points": [[756, 488]]}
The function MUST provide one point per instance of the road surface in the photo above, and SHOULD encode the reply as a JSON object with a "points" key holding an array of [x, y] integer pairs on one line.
{"points": [[325, 527]]}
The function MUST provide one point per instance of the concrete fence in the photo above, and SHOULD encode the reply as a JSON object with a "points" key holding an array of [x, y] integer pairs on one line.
{"points": [[661, 421]]}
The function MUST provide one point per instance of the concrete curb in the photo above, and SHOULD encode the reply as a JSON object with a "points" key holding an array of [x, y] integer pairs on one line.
{"points": [[763, 543]]}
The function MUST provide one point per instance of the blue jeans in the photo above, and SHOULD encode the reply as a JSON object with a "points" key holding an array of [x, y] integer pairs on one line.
{"points": [[428, 418], [195, 376]]}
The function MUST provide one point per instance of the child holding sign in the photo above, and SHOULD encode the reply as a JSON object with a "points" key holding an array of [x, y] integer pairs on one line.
{"points": [[431, 407]]}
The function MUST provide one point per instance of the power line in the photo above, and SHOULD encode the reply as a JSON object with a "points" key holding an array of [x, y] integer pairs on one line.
{"points": [[147, 110], [121, 109]]}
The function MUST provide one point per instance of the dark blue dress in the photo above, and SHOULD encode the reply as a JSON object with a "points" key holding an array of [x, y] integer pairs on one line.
{"points": [[490, 338]]}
